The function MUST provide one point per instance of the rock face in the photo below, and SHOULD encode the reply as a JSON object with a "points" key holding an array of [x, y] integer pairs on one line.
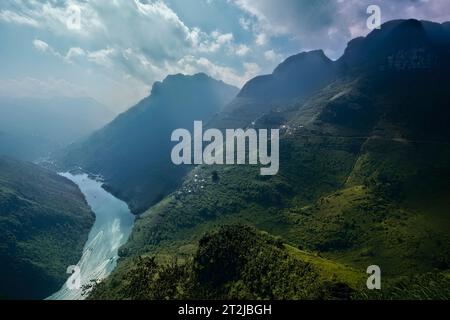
{"points": [[412, 59], [44, 223]]}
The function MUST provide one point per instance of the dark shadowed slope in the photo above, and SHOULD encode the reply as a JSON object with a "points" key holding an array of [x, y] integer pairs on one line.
{"points": [[133, 152], [44, 223], [292, 81]]}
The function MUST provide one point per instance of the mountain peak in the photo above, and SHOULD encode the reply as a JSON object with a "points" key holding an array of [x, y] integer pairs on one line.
{"points": [[403, 39], [183, 82], [140, 138], [298, 74], [303, 60], [409, 33], [182, 76]]}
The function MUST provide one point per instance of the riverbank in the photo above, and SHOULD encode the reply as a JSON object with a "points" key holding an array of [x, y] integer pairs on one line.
{"points": [[113, 225]]}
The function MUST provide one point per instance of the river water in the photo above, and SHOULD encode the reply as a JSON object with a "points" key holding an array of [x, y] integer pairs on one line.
{"points": [[111, 230]]}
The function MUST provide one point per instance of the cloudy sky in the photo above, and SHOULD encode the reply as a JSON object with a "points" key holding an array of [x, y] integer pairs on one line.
{"points": [[118, 48]]}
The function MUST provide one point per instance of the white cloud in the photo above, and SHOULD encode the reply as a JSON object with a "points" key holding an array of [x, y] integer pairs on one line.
{"points": [[251, 70], [261, 39], [44, 47], [102, 57], [271, 55], [303, 21], [245, 23], [190, 65], [211, 43], [242, 50], [227, 74], [140, 38], [54, 16], [13, 17], [40, 45], [223, 38], [74, 53]]}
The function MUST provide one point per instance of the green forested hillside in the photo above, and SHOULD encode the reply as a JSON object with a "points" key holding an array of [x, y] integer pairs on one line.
{"points": [[236, 262], [364, 180], [44, 223]]}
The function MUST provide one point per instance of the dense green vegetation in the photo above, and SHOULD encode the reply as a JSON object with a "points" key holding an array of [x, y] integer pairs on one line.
{"points": [[236, 262], [44, 223], [364, 179]]}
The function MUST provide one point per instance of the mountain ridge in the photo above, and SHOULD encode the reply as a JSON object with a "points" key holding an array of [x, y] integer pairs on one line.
{"points": [[44, 224], [361, 180], [132, 153]]}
